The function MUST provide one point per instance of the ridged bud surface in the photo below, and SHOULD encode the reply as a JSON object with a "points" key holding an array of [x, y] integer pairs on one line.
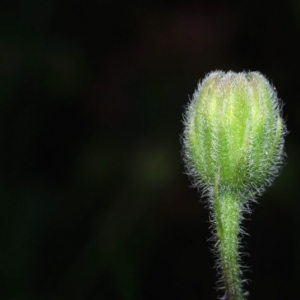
{"points": [[234, 133]]}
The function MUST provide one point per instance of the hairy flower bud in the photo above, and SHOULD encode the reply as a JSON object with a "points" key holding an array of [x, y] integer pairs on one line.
{"points": [[234, 133]]}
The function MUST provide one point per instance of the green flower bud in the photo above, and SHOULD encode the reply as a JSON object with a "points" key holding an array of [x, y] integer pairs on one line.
{"points": [[233, 147], [234, 133]]}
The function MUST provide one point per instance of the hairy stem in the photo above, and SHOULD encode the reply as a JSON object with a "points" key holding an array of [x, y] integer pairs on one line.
{"points": [[227, 212]]}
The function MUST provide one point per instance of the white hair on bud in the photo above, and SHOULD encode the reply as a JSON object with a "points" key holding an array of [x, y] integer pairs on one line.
{"points": [[269, 169]]}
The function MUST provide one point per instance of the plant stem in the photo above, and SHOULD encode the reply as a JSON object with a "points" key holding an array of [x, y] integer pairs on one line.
{"points": [[227, 212]]}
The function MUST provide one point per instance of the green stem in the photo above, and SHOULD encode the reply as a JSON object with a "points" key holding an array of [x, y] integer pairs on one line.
{"points": [[227, 212]]}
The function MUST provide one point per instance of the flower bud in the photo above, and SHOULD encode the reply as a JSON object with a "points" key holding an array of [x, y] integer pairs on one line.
{"points": [[234, 133]]}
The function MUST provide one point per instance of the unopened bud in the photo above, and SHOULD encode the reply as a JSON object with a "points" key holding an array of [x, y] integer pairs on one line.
{"points": [[234, 133]]}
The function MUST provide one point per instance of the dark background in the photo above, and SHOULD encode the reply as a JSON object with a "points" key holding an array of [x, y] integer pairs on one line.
{"points": [[94, 200]]}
